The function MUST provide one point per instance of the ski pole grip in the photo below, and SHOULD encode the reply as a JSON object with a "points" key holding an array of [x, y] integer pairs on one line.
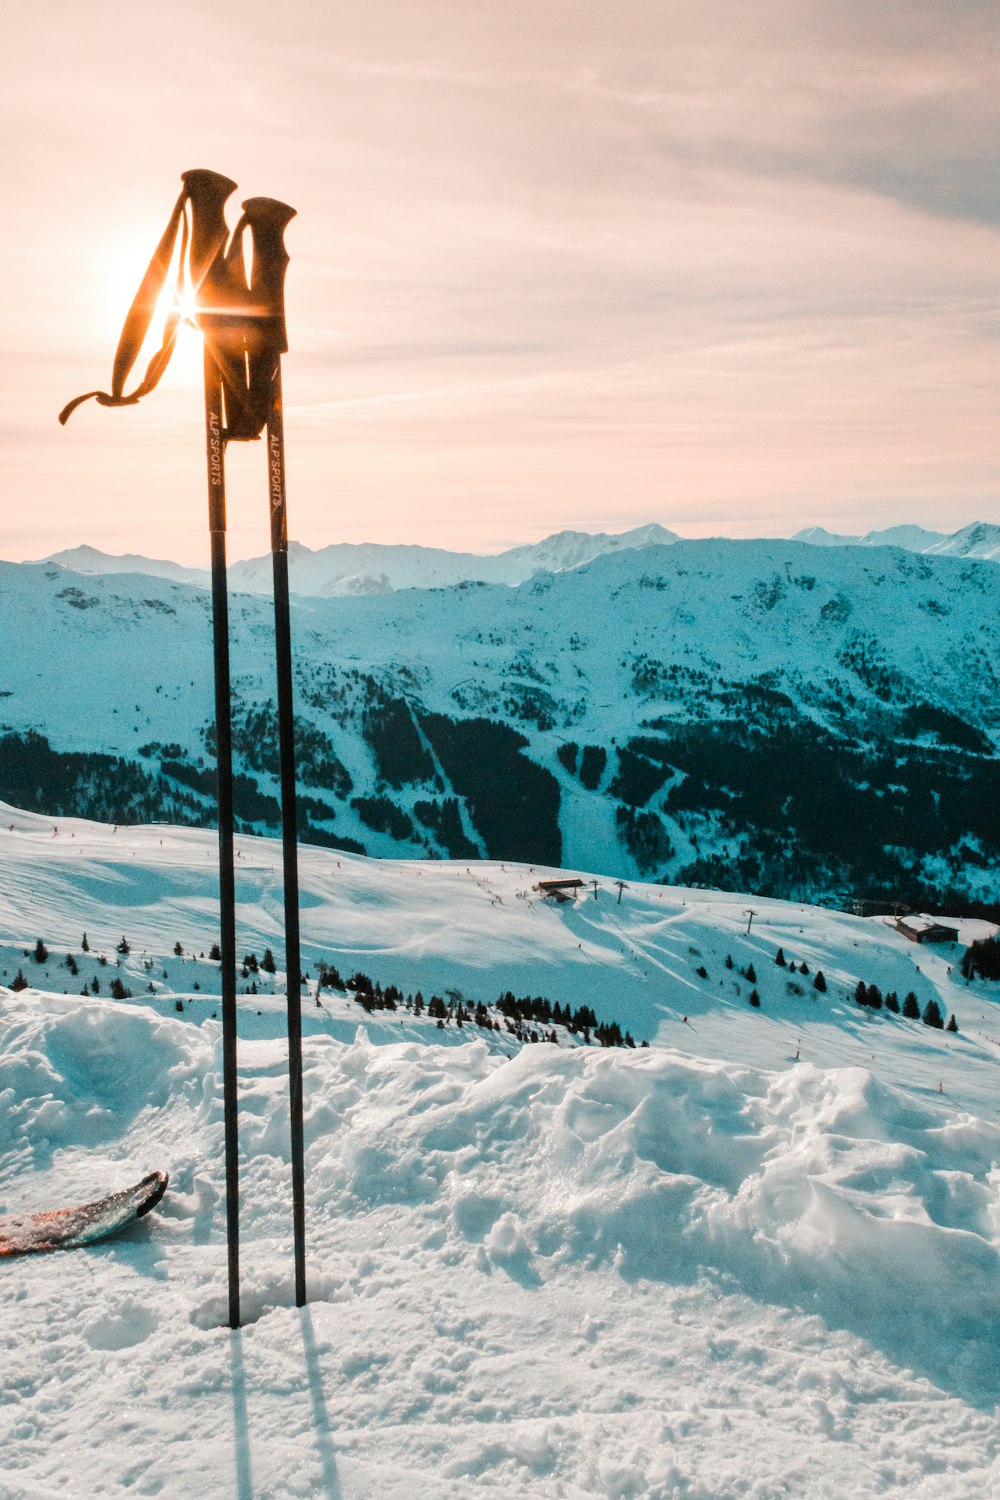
{"points": [[207, 193], [267, 220]]}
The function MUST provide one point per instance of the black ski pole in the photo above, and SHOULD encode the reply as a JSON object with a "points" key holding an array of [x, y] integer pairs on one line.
{"points": [[215, 444], [267, 220], [289, 826], [200, 214], [208, 192]]}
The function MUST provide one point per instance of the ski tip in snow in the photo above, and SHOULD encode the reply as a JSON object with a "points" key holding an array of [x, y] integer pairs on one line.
{"points": [[68, 1228]]}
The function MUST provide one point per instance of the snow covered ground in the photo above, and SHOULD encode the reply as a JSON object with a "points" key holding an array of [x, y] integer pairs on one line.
{"points": [[758, 1258]]}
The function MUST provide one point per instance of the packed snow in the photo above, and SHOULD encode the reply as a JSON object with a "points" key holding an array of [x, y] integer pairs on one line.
{"points": [[758, 1257]]}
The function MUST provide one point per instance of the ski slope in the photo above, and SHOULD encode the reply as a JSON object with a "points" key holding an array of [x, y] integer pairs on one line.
{"points": [[758, 1257]]}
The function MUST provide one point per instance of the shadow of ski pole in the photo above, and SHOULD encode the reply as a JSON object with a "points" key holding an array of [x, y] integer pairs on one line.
{"points": [[321, 1416], [241, 1431]]}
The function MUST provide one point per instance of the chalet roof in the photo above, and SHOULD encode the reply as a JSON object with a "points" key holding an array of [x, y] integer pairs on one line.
{"points": [[924, 925]]}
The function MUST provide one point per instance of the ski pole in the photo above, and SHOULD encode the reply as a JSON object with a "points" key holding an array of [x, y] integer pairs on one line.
{"points": [[208, 192], [267, 219]]}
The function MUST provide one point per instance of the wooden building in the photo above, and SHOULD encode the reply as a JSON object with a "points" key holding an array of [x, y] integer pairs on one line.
{"points": [[926, 930]]}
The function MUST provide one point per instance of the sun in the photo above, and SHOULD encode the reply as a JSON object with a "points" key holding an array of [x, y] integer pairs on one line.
{"points": [[185, 302]]}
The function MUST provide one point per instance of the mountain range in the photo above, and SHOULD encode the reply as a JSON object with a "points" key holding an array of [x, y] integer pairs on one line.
{"points": [[375, 568], [812, 723]]}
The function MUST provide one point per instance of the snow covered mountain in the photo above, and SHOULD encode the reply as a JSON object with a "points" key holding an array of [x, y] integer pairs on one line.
{"points": [[86, 559], [979, 539], [357, 569], [757, 715], [766, 1245], [374, 568]]}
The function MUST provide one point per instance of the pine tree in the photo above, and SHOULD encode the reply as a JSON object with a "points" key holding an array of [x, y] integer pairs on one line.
{"points": [[19, 982], [119, 990], [123, 947], [874, 997], [729, 960], [892, 1002], [41, 954], [952, 1024], [215, 953], [751, 974], [861, 993], [911, 1007], [267, 962], [71, 964], [803, 968], [754, 998], [932, 1015], [779, 958], [178, 949], [85, 945], [95, 985], [819, 983]]}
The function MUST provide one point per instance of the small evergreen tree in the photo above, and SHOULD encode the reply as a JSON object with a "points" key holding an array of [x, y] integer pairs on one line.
{"points": [[819, 983], [932, 1015], [215, 953], [123, 947], [729, 960], [892, 1002], [41, 954], [119, 991], [754, 998], [95, 985], [71, 964], [874, 997], [861, 993], [779, 958], [911, 1007], [178, 949], [803, 968], [267, 962], [19, 982], [84, 944], [751, 974], [952, 1024], [701, 971]]}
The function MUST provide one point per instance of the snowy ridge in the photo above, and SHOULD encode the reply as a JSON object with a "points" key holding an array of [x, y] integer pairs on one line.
{"points": [[375, 568], [579, 1272], [351, 569], [978, 539]]}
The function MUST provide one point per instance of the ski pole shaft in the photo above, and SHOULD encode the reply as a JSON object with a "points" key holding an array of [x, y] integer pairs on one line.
{"points": [[289, 820], [215, 447]]}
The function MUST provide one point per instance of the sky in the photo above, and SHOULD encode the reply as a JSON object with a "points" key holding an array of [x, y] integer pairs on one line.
{"points": [[557, 263]]}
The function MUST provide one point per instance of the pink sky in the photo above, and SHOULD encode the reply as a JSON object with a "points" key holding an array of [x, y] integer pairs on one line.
{"points": [[557, 263]]}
